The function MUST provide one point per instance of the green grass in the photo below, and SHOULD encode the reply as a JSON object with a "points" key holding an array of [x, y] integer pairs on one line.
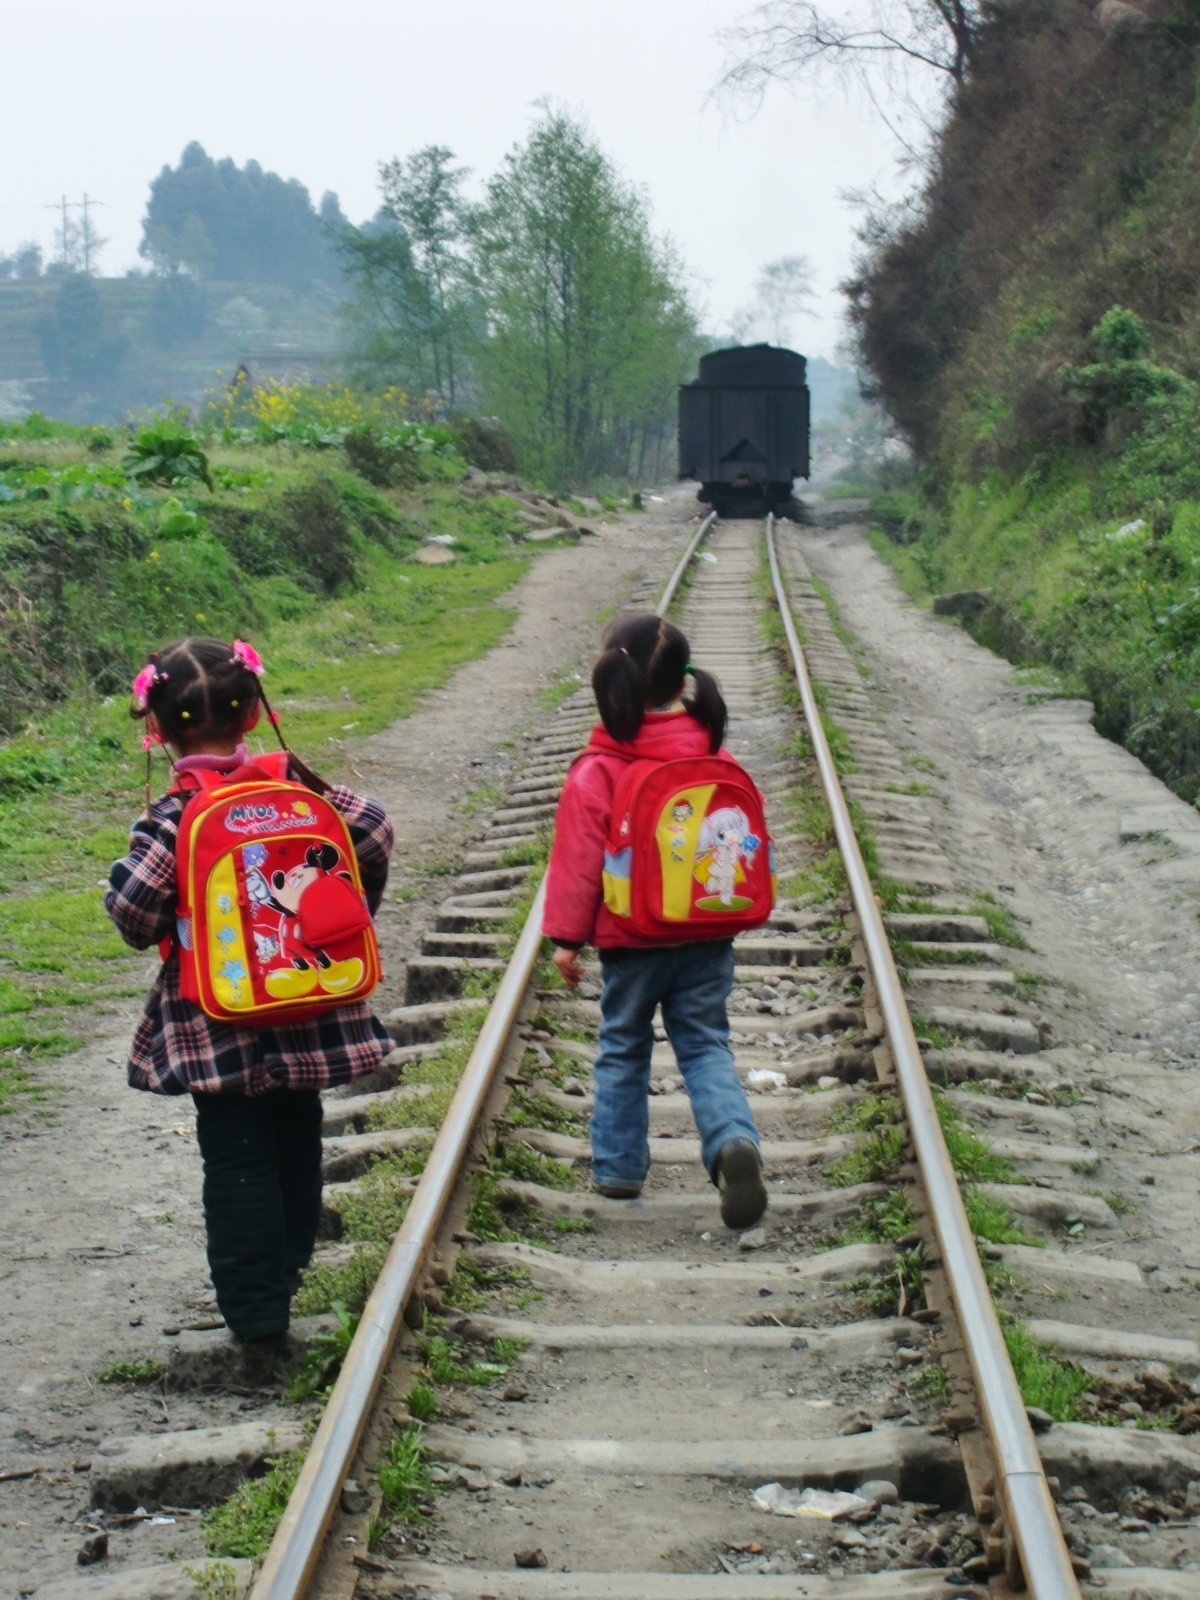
{"points": [[324, 1357], [881, 1219], [877, 1157], [405, 1484], [872, 1112], [970, 1155], [244, 1525], [147, 1371], [218, 1581], [1045, 1381], [528, 1109], [900, 1290], [992, 1220], [933, 1382], [521, 1161]]}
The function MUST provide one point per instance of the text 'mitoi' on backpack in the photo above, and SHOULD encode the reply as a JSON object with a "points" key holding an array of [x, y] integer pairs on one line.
{"points": [[272, 924], [688, 854]]}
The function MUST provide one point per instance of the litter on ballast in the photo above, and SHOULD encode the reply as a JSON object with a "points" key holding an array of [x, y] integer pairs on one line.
{"points": [[764, 1078], [705, 555], [829, 1504]]}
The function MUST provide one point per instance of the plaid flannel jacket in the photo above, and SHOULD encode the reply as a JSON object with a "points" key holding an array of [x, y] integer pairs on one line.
{"points": [[177, 1049]]}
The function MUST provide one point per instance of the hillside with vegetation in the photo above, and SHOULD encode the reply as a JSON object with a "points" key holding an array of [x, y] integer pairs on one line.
{"points": [[1032, 323]]}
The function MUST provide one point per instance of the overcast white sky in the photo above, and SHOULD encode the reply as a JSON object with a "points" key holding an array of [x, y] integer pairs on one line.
{"points": [[97, 99]]}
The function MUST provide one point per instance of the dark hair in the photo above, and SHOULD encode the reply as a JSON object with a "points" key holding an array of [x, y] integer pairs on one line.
{"points": [[643, 664], [200, 690]]}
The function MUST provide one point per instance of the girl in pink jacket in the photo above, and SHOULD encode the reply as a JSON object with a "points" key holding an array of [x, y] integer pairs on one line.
{"points": [[639, 684]]}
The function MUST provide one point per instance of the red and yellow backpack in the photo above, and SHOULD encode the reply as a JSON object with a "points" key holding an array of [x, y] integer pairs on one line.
{"points": [[688, 854], [272, 924]]}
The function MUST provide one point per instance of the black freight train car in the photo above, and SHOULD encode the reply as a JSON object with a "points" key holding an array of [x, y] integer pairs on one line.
{"points": [[743, 428]]}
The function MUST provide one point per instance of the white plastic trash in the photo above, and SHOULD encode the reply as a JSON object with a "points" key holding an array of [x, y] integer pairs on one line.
{"points": [[764, 1078], [829, 1504]]}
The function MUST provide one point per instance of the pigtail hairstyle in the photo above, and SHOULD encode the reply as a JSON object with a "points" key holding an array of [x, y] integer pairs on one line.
{"points": [[642, 665], [707, 704], [201, 689]]}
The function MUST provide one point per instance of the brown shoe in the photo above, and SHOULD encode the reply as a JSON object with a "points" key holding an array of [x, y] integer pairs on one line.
{"points": [[740, 1181]]}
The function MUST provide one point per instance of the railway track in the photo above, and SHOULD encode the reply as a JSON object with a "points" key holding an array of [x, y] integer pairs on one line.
{"points": [[662, 1388]]}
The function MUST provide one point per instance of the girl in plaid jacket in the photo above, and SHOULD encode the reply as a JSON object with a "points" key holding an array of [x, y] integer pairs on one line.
{"points": [[256, 1090]]}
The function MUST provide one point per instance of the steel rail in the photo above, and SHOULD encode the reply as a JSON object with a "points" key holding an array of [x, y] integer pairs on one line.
{"points": [[1032, 1521], [294, 1552]]}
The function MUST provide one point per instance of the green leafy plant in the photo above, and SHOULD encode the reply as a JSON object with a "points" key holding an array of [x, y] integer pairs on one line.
{"points": [[405, 1482], [324, 1356], [167, 453]]}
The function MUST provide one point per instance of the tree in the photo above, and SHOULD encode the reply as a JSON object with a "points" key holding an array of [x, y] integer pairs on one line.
{"points": [[423, 195], [589, 331], [27, 259], [897, 46], [72, 336], [236, 224], [388, 307]]}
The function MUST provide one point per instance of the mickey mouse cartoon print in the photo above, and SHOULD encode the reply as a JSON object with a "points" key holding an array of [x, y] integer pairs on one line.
{"points": [[290, 907]]}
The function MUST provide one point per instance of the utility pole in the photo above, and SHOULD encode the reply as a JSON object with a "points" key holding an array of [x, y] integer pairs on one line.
{"points": [[87, 232], [62, 204]]}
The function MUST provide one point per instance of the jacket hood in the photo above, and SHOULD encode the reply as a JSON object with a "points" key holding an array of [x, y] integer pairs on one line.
{"points": [[663, 736]]}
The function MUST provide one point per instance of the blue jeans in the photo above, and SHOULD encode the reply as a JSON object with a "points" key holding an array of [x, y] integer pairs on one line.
{"points": [[691, 982]]}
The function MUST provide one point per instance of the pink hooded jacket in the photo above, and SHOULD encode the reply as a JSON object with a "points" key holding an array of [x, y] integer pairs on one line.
{"points": [[575, 911]]}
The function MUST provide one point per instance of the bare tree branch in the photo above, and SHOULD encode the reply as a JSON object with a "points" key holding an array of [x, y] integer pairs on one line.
{"points": [[796, 43]]}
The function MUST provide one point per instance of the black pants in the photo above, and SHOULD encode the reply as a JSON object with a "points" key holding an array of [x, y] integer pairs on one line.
{"points": [[262, 1200]]}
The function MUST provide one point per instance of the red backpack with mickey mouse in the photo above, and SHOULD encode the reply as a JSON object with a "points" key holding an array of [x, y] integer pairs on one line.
{"points": [[272, 923]]}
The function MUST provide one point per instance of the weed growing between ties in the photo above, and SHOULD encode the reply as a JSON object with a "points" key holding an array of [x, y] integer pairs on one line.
{"points": [[933, 1382], [898, 1292], [405, 1480], [1045, 1381], [324, 1357], [371, 1212], [475, 1282], [218, 1581], [244, 1525], [881, 1219], [406, 1485]]}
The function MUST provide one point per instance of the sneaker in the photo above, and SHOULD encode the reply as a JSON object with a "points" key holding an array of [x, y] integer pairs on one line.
{"points": [[616, 1191], [740, 1181]]}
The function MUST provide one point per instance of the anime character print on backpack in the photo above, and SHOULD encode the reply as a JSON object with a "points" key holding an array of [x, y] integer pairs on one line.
{"points": [[259, 882], [661, 855]]}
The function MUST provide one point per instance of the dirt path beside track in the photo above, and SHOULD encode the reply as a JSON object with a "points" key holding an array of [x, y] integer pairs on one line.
{"points": [[1097, 858]]}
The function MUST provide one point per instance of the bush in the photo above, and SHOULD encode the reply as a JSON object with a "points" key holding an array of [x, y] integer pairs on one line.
{"points": [[485, 443], [381, 461]]}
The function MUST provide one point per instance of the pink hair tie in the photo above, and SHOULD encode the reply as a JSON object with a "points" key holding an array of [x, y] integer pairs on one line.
{"points": [[146, 680], [248, 656]]}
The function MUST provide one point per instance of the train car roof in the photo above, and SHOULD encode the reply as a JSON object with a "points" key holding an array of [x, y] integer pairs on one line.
{"points": [[751, 366]]}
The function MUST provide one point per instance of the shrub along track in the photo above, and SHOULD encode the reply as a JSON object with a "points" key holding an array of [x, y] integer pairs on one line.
{"points": [[668, 1369]]}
